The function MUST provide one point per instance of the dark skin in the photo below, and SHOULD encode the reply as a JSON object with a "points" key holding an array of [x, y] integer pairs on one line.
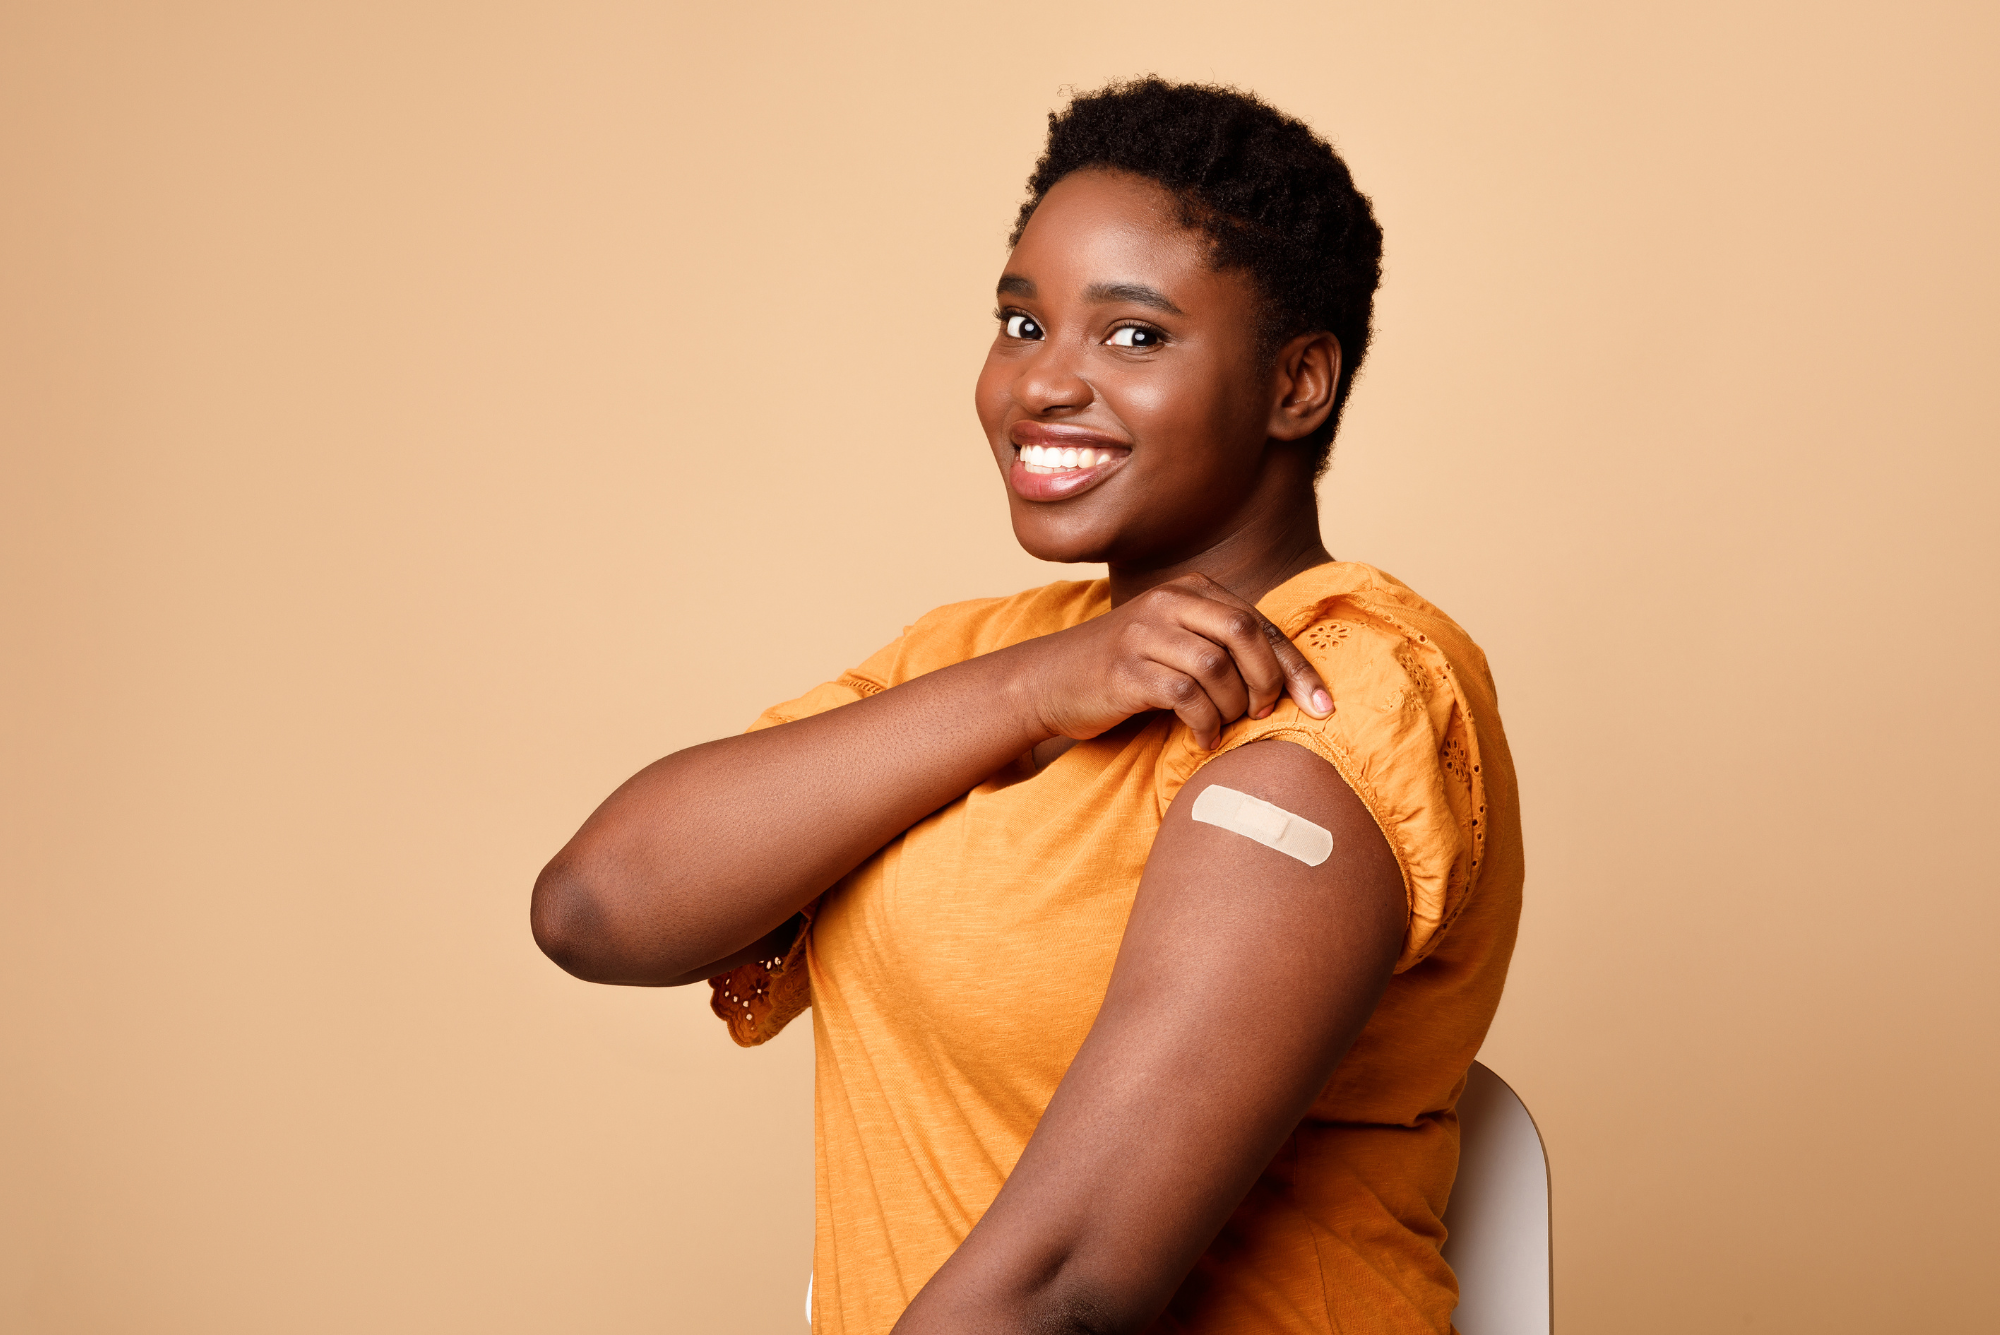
{"points": [[1117, 336]]}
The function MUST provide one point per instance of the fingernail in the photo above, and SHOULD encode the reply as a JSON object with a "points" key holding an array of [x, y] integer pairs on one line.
{"points": [[1265, 712], [1322, 702]]}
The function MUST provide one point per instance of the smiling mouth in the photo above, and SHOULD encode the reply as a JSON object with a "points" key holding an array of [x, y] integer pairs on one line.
{"points": [[1045, 460], [1058, 472]]}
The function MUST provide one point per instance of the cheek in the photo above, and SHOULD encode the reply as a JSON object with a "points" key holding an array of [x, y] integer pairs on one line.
{"points": [[1194, 407], [1161, 407], [989, 394]]}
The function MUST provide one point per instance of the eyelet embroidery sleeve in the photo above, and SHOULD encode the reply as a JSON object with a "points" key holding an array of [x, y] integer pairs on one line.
{"points": [[758, 999], [1403, 736]]}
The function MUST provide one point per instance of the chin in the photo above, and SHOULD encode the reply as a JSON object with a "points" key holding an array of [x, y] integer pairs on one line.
{"points": [[1051, 542]]}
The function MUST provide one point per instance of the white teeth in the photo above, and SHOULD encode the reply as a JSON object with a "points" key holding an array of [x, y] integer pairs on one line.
{"points": [[1054, 457]]}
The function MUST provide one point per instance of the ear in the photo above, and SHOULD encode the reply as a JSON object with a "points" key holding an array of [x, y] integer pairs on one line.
{"points": [[1306, 374]]}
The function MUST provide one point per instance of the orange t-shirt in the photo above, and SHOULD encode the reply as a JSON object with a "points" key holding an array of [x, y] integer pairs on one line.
{"points": [[952, 977]]}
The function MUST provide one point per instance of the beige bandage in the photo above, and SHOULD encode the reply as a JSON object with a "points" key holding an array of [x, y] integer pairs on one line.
{"points": [[1273, 827]]}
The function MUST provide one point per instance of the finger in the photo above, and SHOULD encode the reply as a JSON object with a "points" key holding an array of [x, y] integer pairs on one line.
{"points": [[1168, 689], [1252, 640], [1246, 632], [1212, 664], [1302, 679]]}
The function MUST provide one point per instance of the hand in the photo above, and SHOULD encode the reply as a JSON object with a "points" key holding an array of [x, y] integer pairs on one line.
{"points": [[1190, 646]]}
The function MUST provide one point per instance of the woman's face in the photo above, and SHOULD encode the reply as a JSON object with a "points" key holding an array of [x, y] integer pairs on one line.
{"points": [[1125, 397]]}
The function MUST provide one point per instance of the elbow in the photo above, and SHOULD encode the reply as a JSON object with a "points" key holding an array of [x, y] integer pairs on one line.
{"points": [[568, 921], [1046, 1293], [1073, 1315], [596, 928]]}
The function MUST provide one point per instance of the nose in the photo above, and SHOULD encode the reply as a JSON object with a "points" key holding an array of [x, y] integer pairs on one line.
{"points": [[1050, 382]]}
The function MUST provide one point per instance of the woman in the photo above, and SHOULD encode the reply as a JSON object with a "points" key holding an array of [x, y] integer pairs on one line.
{"points": [[1090, 1056]]}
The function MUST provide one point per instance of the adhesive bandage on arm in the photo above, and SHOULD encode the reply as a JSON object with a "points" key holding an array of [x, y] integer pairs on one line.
{"points": [[1273, 827]]}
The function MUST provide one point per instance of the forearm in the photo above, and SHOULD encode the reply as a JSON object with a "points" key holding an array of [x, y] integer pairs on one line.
{"points": [[703, 853], [709, 849]]}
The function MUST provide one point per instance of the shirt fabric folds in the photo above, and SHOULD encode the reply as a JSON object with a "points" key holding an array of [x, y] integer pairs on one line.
{"points": [[953, 976]]}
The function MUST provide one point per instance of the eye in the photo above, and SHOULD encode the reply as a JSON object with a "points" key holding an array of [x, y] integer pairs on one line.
{"points": [[1135, 336], [1020, 326]]}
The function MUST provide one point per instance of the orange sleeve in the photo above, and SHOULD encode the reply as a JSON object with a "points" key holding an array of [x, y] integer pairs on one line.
{"points": [[1403, 737], [762, 997]]}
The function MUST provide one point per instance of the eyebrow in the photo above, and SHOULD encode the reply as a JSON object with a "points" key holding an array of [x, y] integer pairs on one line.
{"points": [[1016, 285], [1136, 293]]}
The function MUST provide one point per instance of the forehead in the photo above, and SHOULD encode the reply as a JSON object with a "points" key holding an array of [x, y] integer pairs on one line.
{"points": [[1098, 227]]}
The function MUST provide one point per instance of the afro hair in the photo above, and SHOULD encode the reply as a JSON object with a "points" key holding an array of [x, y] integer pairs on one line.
{"points": [[1274, 199]]}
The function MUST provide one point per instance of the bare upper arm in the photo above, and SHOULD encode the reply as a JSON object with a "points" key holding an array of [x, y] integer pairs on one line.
{"points": [[1243, 977]]}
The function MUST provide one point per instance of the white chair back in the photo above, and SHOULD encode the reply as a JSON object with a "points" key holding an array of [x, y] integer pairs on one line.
{"points": [[1498, 1219]]}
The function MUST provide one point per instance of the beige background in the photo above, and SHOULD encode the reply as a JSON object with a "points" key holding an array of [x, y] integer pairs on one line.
{"points": [[417, 417]]}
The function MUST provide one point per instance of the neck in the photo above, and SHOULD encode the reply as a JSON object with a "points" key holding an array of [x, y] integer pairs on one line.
{"points": [[1266, 546]]}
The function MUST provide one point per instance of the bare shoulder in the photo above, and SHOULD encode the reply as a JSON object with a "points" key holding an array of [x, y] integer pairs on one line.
{"points": [[1225, 878], [1293, 778]]}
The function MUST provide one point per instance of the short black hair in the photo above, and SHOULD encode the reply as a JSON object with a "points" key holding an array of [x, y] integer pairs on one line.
{"points": [[1273, 197]]}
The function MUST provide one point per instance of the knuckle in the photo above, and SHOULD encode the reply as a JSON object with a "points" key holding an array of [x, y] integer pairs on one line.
{"points": [[1242, 626], [1212, 663]]}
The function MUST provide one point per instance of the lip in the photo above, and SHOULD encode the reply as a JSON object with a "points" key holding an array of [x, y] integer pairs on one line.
{"points": [[1068, 482]]}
